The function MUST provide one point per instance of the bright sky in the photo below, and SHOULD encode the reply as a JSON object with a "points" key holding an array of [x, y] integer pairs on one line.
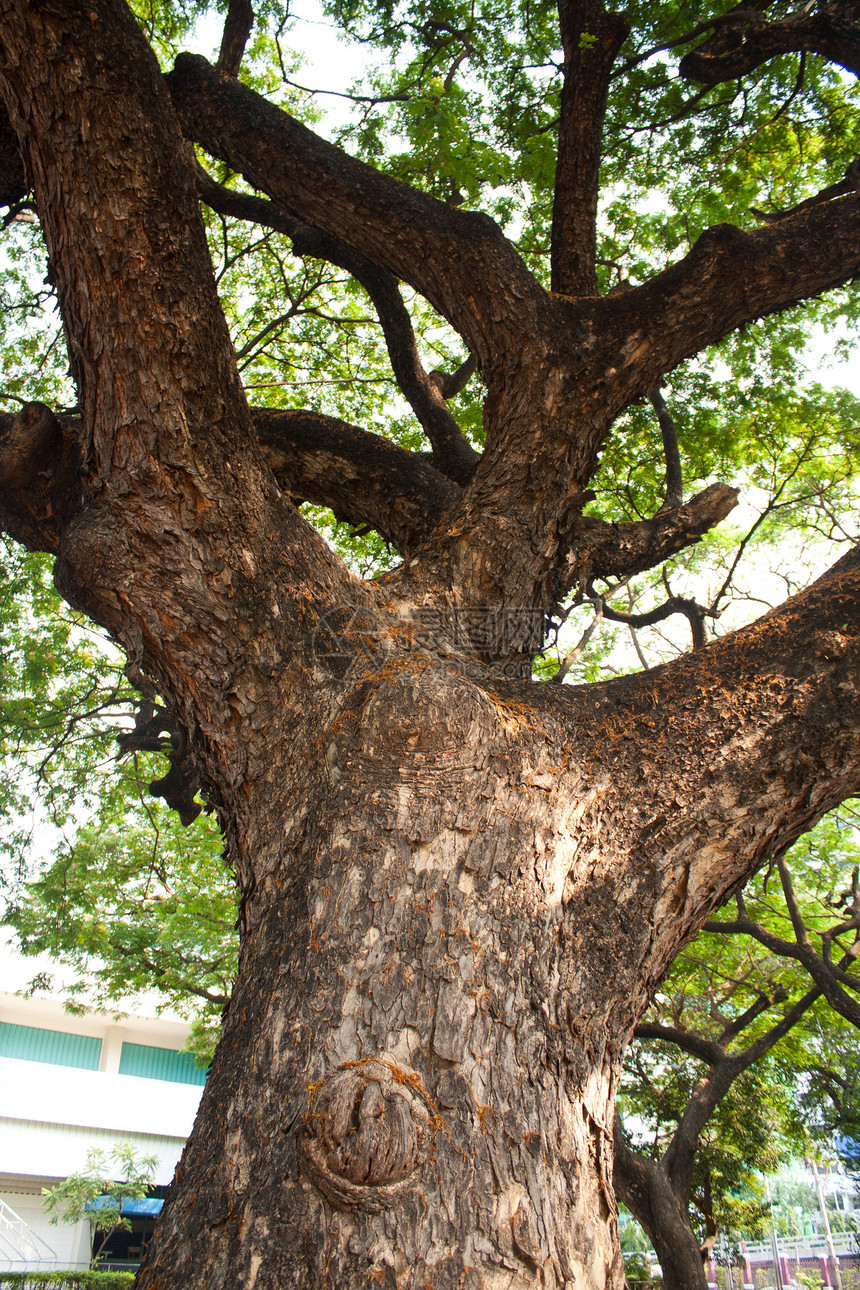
{"points": [[330, 63], [18, 970]]}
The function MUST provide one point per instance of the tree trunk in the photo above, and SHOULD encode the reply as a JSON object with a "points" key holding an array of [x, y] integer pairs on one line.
{"points": [[441, 964], [406, 1092], [648, 1194], [660, 1192]]}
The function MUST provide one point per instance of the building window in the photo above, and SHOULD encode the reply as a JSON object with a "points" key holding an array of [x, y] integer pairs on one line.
{"points": [[160, 1063], [54, 1046]]}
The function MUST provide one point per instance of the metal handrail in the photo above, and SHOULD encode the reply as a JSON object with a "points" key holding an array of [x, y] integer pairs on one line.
{"points": [[18, 1242]]}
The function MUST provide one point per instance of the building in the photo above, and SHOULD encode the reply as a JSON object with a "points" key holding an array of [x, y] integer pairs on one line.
{"points": [[71, 1083]]}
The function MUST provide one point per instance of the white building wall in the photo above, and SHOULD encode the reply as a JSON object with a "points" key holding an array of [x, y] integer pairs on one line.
{"points": [[121, 1104], [69, 1241], [52, 1115], [30, 1148]]}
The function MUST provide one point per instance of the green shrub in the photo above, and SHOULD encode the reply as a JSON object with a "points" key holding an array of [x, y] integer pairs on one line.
{"points": [[60, 1280]]}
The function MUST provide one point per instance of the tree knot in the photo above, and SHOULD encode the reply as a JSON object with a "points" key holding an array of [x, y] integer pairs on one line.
{"points": [[366, 1134]]}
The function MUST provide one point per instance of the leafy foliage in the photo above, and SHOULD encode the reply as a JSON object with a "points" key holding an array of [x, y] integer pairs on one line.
{"points": [[131, 900], [96, 1195], [799, 1098], [61, 686]]}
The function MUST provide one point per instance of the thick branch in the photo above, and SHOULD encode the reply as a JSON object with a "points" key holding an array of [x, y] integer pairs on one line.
{"points": [[451, 450], [362, 477], [601, 550], [434, 247], [40, 485], [185, 549], [644, 1183], [706, 1050], [748, 742], [541, 451], [237, 29], [643, 1187], [831, 31], [590, 38], [728, 279], [13, 182]]}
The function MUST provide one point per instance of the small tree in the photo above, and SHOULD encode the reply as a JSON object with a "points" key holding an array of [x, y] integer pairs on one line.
{"points": [[95, 1196]]}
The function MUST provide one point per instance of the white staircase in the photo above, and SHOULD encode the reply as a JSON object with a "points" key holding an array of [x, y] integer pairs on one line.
{"points": [[20, 1248]]}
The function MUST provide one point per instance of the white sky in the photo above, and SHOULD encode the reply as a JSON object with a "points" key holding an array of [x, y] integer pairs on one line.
{"points": [[18, 970]]}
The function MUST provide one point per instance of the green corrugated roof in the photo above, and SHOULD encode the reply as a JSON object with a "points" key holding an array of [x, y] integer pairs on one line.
{"points": [[55, 1046], [160, 1063]]}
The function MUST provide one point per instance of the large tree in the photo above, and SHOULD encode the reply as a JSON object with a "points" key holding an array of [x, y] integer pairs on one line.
{"points": [[458, 885]]}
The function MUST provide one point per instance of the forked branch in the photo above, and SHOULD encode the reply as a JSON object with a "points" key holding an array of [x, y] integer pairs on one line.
{"points": [[452, 453], [832, 979], [599, 549], [729, 278], [427, 243], [831, 31]]}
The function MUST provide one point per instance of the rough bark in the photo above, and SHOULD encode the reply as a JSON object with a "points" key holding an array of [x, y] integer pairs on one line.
{"points": [[452, 846], [40, 477], [457, 889], [751, 40], [591, 38], [237, 29], [364, 478], [13, 184]]}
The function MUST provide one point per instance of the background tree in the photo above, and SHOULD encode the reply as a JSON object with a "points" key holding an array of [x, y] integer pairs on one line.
{"points": [[711, 1084], [739, 1063], [458, 886], [829, 916], [97, 1195]]}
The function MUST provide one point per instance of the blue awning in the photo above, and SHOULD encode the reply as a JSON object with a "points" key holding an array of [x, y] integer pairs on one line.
{"points": [[129, 1206], [141, 1208]]}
